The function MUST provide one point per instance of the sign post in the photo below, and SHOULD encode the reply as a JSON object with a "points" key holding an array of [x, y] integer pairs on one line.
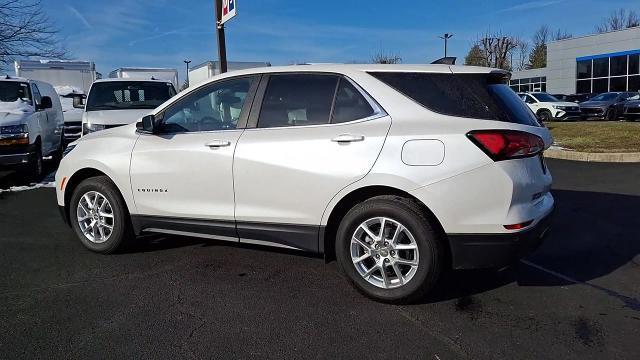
{"points": [[225, 11]]}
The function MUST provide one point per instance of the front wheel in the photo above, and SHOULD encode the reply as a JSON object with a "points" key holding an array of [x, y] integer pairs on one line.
{"points": [[544, 116], [389, 250], [610, 115], [99, 215]]}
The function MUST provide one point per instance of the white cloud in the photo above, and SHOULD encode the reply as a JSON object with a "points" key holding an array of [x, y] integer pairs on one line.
{"points": [[80, 17], [530, 5]]}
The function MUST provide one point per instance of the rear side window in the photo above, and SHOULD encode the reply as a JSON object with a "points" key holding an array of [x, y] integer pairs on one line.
{"points": [[297, 100], [479, 96], [350, 104]]}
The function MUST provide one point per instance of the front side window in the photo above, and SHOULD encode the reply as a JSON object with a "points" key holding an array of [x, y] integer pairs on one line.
{"points": [[215, 107], [124, 95], [36, 94], [297, 100], [349, 104]]}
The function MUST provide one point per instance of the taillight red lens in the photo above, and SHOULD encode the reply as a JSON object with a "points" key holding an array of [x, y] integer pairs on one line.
{"points": [[507, 144]]}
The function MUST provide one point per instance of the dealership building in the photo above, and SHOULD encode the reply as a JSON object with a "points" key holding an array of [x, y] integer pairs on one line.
{"points": [[588, 64]]}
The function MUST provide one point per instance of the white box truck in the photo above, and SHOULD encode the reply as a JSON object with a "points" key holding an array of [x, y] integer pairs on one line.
{"points": [[69, 78], [76, 74], [203, 72], [133, 73]]}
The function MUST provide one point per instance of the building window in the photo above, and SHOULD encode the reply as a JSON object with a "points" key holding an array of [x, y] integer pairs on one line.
{"points": [[608, 73], [529, 84]]}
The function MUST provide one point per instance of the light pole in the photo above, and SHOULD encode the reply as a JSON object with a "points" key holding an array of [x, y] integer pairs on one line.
{"points": [[222, 47], [446, 37], [187, 62]]}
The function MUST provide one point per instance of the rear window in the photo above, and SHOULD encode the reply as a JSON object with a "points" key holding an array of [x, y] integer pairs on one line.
{"points": [[478, 96]]}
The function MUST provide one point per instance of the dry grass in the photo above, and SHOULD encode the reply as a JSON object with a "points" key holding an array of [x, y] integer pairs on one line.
{"points": [[597, 136]]}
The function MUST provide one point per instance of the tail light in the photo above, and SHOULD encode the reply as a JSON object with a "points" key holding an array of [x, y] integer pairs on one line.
{"points": [[507, 144]]}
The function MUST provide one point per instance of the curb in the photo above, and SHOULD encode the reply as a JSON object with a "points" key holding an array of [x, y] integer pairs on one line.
{"points": [[593, 157]]}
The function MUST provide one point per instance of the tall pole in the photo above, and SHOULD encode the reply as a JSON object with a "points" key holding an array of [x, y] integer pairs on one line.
{"points": [[446, 37], [222, 47], [187, 62]]}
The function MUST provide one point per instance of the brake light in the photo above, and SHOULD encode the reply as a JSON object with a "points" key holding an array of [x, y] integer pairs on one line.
{"points": [[518, 226], [507, 144]]}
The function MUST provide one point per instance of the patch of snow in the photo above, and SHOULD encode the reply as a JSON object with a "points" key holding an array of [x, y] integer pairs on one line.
{"points": [[63, 90], [15, 107], [50, 184]]}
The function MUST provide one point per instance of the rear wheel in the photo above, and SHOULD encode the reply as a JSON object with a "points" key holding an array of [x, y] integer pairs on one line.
{"points": [[99, 215], [388, 249]]}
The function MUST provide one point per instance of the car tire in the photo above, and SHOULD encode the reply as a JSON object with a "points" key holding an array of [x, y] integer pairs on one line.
{"points": [[610, 115], [106, 226], [544, 115], [35, 166], [429, 253]]}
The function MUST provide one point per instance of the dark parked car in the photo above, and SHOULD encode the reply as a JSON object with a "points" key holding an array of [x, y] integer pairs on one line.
{"points": [[632, 109], [606, 106], [576, 98]]}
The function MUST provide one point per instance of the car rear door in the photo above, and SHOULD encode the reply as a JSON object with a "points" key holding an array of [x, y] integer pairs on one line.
{"points": [[181, 178], [309, 135]]}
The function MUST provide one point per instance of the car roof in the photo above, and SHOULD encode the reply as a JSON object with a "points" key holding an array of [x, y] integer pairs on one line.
{"points": [[13, 78], [132, 80]]}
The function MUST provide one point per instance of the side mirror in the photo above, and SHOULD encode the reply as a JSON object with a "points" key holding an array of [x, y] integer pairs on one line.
{"points": [[148, 124], [45, 103], [78, 101]]}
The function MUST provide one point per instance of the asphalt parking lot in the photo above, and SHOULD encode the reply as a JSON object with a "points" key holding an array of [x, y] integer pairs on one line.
{"points": [[577, 297]]}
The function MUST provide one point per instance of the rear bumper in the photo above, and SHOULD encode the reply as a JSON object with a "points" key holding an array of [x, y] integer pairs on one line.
{"points": [[477, 251]]}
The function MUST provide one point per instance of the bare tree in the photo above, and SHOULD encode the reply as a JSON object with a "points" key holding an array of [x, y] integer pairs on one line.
{"points": [[560, 35], [386, 58], [523, 56], [618, 20], [25, 31], [497, 49]]}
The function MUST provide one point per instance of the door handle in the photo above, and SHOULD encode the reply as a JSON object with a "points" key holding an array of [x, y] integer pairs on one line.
{"points": [[347, 138], [218, 143]]}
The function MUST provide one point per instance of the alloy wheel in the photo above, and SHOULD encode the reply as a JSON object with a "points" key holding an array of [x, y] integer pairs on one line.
{"points": [[384, 252], [95, 217]]}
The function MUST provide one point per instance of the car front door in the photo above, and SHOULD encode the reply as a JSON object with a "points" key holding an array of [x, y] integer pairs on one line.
{"points": [[181, 177], [46, 129], [309, 136]]}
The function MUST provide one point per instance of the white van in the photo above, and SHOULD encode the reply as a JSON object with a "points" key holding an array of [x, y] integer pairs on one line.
{"points": [[31, 124], [116, 102]]}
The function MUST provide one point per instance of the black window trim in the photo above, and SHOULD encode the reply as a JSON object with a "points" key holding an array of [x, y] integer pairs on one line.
{"points": [[244, 113], [252, 123]]}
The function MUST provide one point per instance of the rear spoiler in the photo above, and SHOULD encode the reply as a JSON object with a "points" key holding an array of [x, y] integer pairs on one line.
{"points": [[449, 60]]}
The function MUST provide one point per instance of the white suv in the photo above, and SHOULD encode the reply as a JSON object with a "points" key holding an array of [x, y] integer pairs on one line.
{"points": [[396, 171], [547, 107]]}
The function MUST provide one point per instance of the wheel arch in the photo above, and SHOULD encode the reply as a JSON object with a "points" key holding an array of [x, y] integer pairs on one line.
{"points": [[328, 232], [75, 180]]}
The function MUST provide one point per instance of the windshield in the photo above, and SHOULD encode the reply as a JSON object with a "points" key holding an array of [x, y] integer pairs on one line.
{"points": [[604, 97], [544, 97], [11, 91], [123, 95]]}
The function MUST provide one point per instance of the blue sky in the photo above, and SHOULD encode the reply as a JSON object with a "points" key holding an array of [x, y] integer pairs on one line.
{"points": [[162, 33]]}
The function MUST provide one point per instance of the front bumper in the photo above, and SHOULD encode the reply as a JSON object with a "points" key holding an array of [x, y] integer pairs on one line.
{"points": [[593, 113], [568, 115], [12, 156], [478, 251]]}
